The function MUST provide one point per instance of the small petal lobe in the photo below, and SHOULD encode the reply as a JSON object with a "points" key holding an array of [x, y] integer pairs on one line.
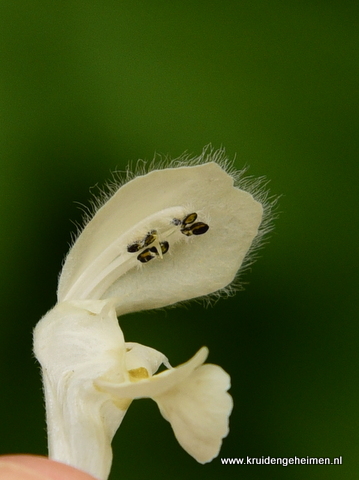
{"points": [[198, 410]]}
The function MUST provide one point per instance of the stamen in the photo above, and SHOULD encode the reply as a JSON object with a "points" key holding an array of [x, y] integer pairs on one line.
{"points": [[164, 247], [147, 255], [189, 218], [198, 228], [117, 258], [150, 237], [135, 246], [144, 242]]}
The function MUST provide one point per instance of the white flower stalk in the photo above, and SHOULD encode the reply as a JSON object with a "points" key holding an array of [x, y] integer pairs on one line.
{"points": [[164, 237]]}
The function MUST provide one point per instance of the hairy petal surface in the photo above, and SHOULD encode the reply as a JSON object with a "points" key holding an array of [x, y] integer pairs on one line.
{"points": [[100, 265]]}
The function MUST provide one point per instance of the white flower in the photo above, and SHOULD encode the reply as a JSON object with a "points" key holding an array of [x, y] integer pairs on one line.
{"points": [[162, 238]]}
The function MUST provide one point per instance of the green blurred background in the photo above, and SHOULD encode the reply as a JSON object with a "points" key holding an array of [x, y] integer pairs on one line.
{"points": [[87, 86]]}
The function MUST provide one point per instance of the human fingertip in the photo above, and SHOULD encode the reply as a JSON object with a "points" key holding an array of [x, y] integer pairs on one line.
{"points": [[33, 467]]}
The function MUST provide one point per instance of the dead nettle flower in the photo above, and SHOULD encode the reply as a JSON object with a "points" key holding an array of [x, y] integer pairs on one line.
{"points": [[166, 236]]}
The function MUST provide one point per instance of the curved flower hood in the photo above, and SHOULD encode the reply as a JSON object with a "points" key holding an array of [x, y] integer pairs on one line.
{"points": [[100, 265]]}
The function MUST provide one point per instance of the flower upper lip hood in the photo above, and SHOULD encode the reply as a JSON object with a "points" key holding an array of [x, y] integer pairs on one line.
{"points": [[99, 265], [164, 237]]}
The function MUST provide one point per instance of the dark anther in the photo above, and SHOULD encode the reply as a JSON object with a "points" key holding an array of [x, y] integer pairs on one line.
{"points": [[198, 228], [147, 255], [189, 218]]}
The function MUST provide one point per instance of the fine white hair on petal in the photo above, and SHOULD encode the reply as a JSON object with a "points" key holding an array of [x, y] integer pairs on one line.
{"points": [[98, 265], [256, 186]]}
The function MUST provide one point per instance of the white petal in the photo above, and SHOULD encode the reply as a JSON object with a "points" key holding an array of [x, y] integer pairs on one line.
{"points": [[158, 384], [192, 397], [100, 266], [75, 343], [139, 356], [198, 410]]}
